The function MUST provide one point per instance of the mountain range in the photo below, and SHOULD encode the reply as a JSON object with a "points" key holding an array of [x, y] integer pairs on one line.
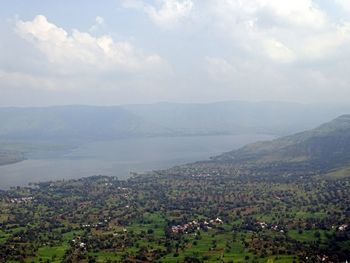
{"points": [[323, 148], [161, 119]]}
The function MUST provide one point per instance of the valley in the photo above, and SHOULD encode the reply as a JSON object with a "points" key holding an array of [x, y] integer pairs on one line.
{"points": [[172, 218], [175, 131], [260, 203], [47, 161]]}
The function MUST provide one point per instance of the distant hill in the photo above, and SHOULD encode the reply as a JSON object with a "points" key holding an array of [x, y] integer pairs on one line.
{"points": [[322, 149], [74, 123], [9, 157], [160, 119], [237, 117]]}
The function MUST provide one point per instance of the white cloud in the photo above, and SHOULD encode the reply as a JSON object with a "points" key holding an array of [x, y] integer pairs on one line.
{"points": [[100, 20], [295, 13], [80, 51], [99, 23], [344, 4], [277, 51], [219, 69], [328, 44], [219, 49], [165, 13], [283, 31]]}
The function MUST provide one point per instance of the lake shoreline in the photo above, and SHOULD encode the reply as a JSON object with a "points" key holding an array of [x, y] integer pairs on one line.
{"points": [[120, 158]]}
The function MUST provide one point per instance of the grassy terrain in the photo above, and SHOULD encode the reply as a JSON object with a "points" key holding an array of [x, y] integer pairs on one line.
{"points": [[338, 174], [101, 219]]}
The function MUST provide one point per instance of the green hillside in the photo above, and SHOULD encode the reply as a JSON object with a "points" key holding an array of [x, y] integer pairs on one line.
{"points": [[324, 148]]}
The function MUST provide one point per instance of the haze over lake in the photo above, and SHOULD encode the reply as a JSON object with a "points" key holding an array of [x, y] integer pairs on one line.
{"points": [[120, 157]]}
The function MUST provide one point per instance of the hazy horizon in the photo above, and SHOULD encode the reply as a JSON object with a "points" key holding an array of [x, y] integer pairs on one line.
{"points": [[311, 104]]}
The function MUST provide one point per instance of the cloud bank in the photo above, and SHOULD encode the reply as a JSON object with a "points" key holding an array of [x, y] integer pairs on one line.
{"points": [[81, 51], [182, 50]]}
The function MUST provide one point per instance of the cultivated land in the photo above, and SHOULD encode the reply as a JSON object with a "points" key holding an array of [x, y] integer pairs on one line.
{"points": [[283, 201], [178, 218]]}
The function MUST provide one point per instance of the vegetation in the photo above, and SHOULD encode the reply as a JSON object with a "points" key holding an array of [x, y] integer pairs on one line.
{"points": [[286, 210], [321, 150], [164, 217]]}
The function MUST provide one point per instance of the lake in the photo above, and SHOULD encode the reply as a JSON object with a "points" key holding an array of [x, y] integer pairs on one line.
{"points": [[120, 157]]}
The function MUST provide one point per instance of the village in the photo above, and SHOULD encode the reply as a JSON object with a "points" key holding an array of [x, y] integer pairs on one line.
{"points": [[167, 217], [196, 225]]}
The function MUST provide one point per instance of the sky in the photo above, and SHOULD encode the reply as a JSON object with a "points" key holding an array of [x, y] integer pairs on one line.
{"points": [[144, 51]]}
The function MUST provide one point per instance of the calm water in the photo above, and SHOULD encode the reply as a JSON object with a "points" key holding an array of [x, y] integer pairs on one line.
{"points": [[120, 157]]}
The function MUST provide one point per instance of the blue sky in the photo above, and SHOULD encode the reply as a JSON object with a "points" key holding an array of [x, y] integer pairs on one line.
{"points": [[138, 51]]}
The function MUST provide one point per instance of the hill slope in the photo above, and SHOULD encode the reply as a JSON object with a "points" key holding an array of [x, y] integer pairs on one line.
{"points": [[9, 157], [322, 149]]}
